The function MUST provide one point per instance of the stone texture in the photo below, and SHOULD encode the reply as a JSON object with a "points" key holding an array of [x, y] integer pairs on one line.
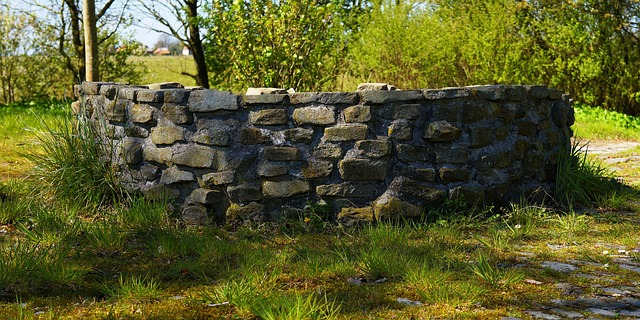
{"points": [[426, 174], [481, 137], [115, 110], [176, 95], [472, 195], [400, 130], [408, 189], [268, 170], [338, 98], [411, 153], [150, 96], [159, 192], [357, 114], [379, 97], [274, 153], [388, 207], [195, 156], [320, 115], [217, 178], [370, 86], [370, 149], [268, 117], [302, 135], [177, 114], [441, 131], [195, 215], [244, 193], [317, 169], [159, 155], [362, 169], [251, 135], [446, 93], [212, 100], [451, 156], [450, 175], [239, 213], [132, 151], [348, 190], [355, 216], [175, 175], [141, 113], [206, 196], [264, 99], [327, 151], [346, 132], [166, 135], [214, 136], [284, 189]]}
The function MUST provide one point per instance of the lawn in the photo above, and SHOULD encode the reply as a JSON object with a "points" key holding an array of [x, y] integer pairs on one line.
{"points": [[129, 258], [167, 69]]}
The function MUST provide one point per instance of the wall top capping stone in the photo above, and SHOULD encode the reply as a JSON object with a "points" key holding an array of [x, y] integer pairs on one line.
{"points": [[390, 151]]}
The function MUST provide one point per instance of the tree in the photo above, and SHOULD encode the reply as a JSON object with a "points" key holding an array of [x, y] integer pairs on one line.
{"points": [[186, 13], [91, 40]]}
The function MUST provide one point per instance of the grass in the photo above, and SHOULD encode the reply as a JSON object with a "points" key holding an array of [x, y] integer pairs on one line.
{"points": [[599, 124], [167, 69]]}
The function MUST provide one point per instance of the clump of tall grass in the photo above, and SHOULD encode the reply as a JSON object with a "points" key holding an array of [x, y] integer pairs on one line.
{"points": [[72, 163]]}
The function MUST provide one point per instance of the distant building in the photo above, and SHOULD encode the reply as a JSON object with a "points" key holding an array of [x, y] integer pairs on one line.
{"points": [[162, 51], [186, 51]]}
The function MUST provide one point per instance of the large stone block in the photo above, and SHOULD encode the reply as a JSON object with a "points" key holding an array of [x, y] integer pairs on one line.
{"points": [[387, 207], [446, 93], [150, 96], [475, 111], [400, 130], [350, 217], [238, 213], [490, 92], [206, 196], [275, 153], [348, 190], [244, 193], [159, 155], [284, 189], [411, 153], [320, 115], [220, 137], [167, 135], [379, 97], [363, 169], [176, 95], [333, 98], [317, 169], [357, 114], [302, 135], [195, 215], [269, 170], [115, 110], [177, 114], [213, 100], [269, 117], [441, 131], [141, 113], [274, 98], [251, 136], [217, 178], [450, 175], [195, 156], [327, 151], [370, 149], [408, 189], [175, 175], [349, 132]]}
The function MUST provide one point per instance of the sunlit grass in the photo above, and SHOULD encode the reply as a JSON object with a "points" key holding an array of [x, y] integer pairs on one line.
{"points": [[599, 124], [167, 69]]}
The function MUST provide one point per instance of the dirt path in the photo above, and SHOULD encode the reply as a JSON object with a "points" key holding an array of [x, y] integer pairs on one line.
{"points": [[622, 157]]}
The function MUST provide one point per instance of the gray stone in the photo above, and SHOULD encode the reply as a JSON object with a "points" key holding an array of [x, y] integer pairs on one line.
{"points": [[206, 196], [303, 97], [558, 266], [269, 117], [426, 174], [177, 114], [220, 137], [159, 155], [195, 215], [451, 156], [132, 151], [601, 312], [302, 135], [176, 95], [357, 114], [400, 130], [244, 193], [411, 153], [159, 192], [348, 190], [389, 207], [371, 86], [260, 91], [566, 313], [481, 137], [408, 189], [150, 96], [446, 93], [317, 169], [251, 135], [195, 156], [355, 216], [114, 131], [355, 131], [167, 135], [338, 98], [495, 161], [362, 169], [441, 131], [472, 195], [379, 97], [115, 110], [175, 175], [264, 99], [474, 110], [320, 115], [629, 313], [569, 289], [141, 113], [542, 315], [491, 92], [450, 175], [149, 172], [251, 211], [327, 151], [284, 189], [132, 130], [213, 100], [165, 85], [217, 178], [407, 111], [268, 170], [539, 92], [630, 267], [128, 93], [275, 153], [370, 149]]}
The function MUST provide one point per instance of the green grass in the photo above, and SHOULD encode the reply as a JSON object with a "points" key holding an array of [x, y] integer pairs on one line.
{"points": [[167, 69], [598, 124]]}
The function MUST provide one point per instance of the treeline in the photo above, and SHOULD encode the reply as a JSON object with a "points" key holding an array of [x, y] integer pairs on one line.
{"points": [[587, 48]]}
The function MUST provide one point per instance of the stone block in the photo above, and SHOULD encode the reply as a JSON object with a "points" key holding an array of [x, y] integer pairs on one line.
{"points": [[408, 189], [472, 195], [446, 93], [303, 97], [451, 156], [165, 85], [195, 215], [357, 114], [441, 131], [113, 131], [400, 130], [355, 131], [387, 207], [481, 137], [450, 112], [527, 129], [380, 97], [217, 178], [150, 96], [495, 161], [206, 196], [167, 135], [350, 217], [115, 110], [131, 151], [220, 136], [141, 113], [426, 174], [474, 111], [128, 93], [284, 189], [490, 92], [371, 149], [159, 155], [301, 135], [348, 190], [213, 100], [264, 99], [515, 93], [317, 169], [450, 175], [407, 111], [238, 213], [372, 86], [251, 136], [175, 175], [269, 117], [269, 170], [149, 172], [538, 91], [333, 98], [195, 156], [91, 88], [362, 169], [176, 96], [411, 153], [177, 114], [244, 193], [319, 115], [159, 192], [327, 151], [276, 153]]}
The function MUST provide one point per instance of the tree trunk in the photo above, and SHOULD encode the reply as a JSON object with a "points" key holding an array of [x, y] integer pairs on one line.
{"points": [[195, 42], [90, 40]]}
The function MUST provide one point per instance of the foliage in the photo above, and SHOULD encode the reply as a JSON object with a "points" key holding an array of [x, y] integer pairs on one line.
{"points": [[598, 123], [287, 44]]}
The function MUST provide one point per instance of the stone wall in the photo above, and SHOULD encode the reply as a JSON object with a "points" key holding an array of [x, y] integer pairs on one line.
{"points": [[374, 153]]}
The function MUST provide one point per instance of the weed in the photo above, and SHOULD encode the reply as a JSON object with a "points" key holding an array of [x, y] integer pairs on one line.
{"points": [[239, 294], [142, 215], [498, 239], [572, 222], [105, 237], [132, 288], [486, 272], [435, 287], [295, 306], [13, 201]]}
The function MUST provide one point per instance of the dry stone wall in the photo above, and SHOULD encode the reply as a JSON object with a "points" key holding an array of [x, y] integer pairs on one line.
{"points": [[371, 154]]}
